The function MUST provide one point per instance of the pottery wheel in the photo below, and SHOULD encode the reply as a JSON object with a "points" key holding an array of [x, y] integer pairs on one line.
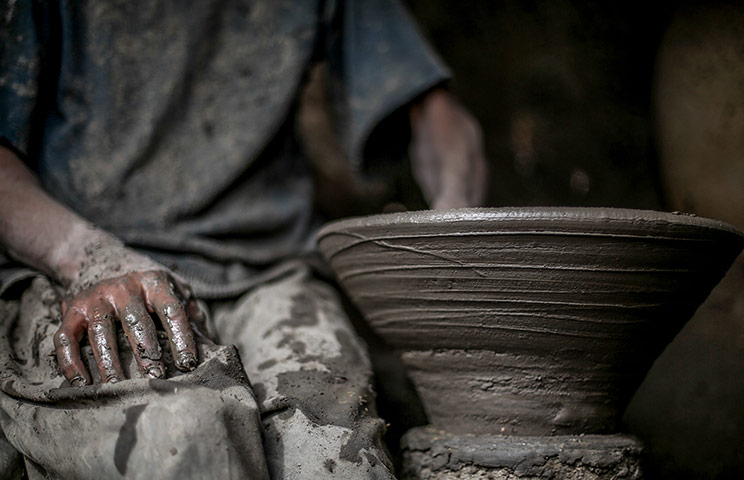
{"points": [[430, 454]]}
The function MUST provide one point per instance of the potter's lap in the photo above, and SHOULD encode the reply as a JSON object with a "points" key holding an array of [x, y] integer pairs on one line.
{"points": [[203, 424]]}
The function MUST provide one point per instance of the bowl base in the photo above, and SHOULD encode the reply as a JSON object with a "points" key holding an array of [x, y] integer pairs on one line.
{"points": [[485, 392], [430, 454]]}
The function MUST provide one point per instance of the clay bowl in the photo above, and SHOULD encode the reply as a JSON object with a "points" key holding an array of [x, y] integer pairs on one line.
{"points": [[528, 321]]}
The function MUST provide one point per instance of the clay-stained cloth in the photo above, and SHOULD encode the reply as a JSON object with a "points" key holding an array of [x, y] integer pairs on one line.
{"points": [[307, 412]]}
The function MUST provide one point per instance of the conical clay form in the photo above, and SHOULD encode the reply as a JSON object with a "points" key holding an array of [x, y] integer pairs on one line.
{"points": [[528, 321]]}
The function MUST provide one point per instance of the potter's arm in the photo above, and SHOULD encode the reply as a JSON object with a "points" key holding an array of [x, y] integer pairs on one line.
{"points": [[104, 281], [447, 152]]}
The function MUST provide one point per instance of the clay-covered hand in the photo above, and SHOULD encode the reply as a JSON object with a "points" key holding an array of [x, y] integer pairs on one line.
{"points": [[115, 284], [447, 156], [105, 281]]}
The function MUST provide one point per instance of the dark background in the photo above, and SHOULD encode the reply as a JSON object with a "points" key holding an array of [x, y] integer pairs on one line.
{"points": [[626, 104]]}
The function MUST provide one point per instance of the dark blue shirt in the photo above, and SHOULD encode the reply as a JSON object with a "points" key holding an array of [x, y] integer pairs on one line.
{"points": [[170, 123]]}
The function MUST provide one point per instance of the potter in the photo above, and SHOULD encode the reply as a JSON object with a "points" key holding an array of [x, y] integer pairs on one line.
{"points": [[161, 313]]}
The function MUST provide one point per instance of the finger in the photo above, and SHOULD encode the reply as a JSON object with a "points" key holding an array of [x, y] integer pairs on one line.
{"points": [[67, 348], [194, 311], [142, 335], [102, 338], [198, 317], [162, 299], [182, 290]]}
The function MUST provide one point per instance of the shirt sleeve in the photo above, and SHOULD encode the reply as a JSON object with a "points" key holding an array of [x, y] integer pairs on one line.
{"points": [[21, 65], [378, 61]]}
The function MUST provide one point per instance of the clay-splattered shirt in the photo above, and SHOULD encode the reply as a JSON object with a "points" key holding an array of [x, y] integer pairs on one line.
{"points": [[170, 123]]}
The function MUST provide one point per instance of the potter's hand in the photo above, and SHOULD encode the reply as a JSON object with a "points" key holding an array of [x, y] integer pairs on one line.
{"points": [[118, 284], [105, 282], [447, 152]]}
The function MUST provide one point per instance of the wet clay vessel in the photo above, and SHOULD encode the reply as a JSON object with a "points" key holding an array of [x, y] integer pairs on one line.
{"points": [[528, 321]]}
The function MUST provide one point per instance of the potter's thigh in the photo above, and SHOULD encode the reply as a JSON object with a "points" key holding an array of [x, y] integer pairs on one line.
{"points": [[312, 377], [204, 424]]}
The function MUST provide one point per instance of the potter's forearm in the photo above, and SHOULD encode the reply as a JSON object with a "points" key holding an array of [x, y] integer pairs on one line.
{"points": [[447, 154], [37, 230]]}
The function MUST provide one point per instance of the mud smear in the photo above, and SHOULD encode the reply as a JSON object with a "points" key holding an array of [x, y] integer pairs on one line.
{"points": [[302, 314], [267, 364], [344, 388], [127, 438], [340, 396], [529, 321], [330, 465]]}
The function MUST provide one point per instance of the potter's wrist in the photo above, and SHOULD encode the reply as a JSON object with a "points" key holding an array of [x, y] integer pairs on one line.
{"points": [[104, 257], [71, 254]]}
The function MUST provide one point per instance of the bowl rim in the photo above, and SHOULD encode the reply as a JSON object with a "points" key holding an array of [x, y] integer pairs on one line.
{"points": [[558, 214]]}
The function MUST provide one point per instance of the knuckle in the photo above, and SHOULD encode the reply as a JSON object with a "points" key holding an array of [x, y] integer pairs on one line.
{"points": [[148, 275], [159, 276], [132, 319], [148, 279], [122, 284], [158, 282], [162, 274], [77, 304], [97, 328], [62, 339], [174, 309]]}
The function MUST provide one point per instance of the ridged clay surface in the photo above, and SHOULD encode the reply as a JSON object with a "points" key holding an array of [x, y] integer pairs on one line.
{"points": [[528, 321]]}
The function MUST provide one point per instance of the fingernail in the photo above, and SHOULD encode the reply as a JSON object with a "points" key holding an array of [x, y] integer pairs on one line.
{"points": [[113, 379], [154, 372], [186, 360], [78, 382]]}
